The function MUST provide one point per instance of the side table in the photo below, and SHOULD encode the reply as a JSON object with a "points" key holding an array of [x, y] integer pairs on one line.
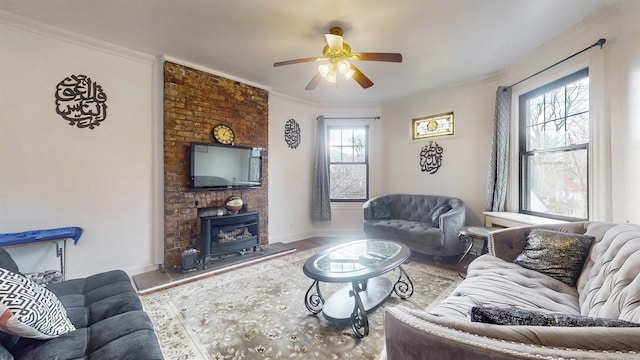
{"points": [[467, 236], [35, 236]]}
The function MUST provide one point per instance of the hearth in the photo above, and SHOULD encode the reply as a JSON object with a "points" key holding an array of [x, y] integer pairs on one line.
{"points": [[227, 234]]}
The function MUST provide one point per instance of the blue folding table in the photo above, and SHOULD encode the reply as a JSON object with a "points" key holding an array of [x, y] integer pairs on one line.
{"points": [[36, 236]]}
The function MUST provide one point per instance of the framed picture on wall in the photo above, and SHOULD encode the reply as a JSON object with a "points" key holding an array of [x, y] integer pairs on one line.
{"points": [[430, 126]]}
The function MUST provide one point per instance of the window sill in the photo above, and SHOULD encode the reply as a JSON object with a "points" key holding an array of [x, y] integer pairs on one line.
{"points": [[512, 219], [347, 205]]}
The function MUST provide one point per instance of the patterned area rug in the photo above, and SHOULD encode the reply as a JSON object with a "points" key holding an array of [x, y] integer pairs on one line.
{"points": [[258, 312]]}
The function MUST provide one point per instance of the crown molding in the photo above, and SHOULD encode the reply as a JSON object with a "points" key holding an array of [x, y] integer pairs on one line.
{"points": [[56, 33], [214, 72]]}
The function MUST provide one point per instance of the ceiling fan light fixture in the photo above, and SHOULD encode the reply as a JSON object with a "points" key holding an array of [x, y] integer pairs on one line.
{"points": [[324, 70], [349, 74], [337, 54], [344, 66]]}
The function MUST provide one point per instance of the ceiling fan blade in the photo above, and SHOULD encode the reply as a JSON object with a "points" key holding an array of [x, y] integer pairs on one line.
{"points": [[361, 78], [314, 82], [388, 57], [297, 61], [334, 41]]}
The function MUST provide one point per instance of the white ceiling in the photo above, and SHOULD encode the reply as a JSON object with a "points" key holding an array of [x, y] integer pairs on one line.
{"points": [[443, 42]]}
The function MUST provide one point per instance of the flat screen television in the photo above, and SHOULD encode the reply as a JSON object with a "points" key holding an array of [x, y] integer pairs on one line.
{"points": [[216, 166]]}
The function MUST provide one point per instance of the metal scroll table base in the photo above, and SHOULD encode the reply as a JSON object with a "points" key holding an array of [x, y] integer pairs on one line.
{"points": [[353, 301], [467, 236]]}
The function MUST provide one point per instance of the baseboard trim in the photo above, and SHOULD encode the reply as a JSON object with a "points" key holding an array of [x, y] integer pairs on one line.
{"points": [[171, 282]]}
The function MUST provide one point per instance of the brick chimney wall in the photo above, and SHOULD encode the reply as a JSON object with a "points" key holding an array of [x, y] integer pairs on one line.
{"points": [[194, 102]]}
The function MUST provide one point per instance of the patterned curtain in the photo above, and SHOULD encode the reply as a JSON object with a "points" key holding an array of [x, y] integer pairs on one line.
{"points": [[498, 166], [320, 203]]}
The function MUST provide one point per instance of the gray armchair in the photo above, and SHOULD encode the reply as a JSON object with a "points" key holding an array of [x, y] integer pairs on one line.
{"points": [[427, 224]]}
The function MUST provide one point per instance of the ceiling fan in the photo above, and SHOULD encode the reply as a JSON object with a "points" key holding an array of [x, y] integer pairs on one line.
{"points": [[338, 55]]}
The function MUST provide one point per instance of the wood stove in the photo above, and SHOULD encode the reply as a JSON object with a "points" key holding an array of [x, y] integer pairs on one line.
{"points": [[228, 234]]}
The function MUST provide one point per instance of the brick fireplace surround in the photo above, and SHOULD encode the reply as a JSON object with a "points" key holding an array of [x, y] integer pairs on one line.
{"points": [[194, 102]]}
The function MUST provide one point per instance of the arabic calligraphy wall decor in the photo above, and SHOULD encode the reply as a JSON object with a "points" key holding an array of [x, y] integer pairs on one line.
{"points": [[429, 126], [431, 157], [292, 133], [81, 101]]}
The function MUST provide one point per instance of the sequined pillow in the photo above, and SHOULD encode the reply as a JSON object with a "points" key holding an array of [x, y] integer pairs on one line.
{"points": [[557, 254], [516, 316], [381, 210]]}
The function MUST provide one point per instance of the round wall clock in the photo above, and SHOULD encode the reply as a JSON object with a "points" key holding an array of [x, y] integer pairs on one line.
{"points": [[223, 134]]}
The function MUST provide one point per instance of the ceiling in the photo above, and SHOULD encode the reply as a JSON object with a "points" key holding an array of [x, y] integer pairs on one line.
{"points": [[443, 42]]}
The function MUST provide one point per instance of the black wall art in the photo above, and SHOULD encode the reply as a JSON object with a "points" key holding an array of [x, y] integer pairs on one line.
{"points": [[431, 157], [292, 133], [81, 101]]}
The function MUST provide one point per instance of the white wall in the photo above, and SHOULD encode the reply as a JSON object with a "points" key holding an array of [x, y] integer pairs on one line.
{"points": [[290, 170], [624, 73], [55, 175], [466, 154], [614, 98], [111, 175], [465, 157]]}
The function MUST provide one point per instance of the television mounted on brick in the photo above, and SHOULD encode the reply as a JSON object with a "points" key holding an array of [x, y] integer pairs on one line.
{"points": [[217, 166]]}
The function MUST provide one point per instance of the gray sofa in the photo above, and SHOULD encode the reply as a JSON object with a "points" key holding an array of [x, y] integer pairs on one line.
{"points": [[576, 317], [107, 314], [427, 224]]}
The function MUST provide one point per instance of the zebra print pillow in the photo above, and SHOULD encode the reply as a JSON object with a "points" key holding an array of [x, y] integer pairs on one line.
{"points": [[30, 310]]}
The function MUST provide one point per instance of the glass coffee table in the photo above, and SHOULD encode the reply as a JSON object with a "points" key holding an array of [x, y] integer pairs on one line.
{"points": [[360, 263]]}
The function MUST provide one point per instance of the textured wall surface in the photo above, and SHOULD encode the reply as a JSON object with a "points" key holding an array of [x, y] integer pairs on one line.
{"points": [[194, 102]]}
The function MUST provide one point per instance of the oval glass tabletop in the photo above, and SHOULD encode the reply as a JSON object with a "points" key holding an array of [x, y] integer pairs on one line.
{"points": [[356, 260]]}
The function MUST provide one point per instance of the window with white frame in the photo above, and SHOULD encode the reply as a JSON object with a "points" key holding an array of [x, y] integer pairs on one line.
{"points": [[554, 149], [348, 163]]}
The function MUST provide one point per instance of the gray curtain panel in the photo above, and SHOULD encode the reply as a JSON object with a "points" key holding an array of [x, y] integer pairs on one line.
{"points": [[320, 202], [498, 165]]}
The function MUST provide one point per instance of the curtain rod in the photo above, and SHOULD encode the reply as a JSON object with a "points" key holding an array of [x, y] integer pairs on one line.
{"points": [[597, 43], [353, 118]]}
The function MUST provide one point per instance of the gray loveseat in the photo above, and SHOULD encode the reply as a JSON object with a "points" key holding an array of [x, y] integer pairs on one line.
{"points": [[427, 224], [575, 318], [107, 314]]}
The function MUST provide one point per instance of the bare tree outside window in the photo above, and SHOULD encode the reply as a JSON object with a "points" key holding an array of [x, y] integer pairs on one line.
{"points": [[348, 163], [554, 148]]}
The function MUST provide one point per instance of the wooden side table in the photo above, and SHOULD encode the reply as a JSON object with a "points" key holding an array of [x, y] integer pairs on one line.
{"points": [[467, 236]]}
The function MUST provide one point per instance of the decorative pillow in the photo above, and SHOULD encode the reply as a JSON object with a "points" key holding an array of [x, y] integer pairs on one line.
{"points": [[515, 316], [30, 310], [6, 261], [45, 278], [434, 215], [381, 210], [557, 254]]}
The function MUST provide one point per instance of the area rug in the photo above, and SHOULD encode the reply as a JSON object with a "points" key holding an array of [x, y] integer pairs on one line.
{"points": [[258, 312]]}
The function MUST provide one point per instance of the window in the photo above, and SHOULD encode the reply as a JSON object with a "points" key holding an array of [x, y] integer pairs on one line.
{"points": [[348, 163], [554, 149]]}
